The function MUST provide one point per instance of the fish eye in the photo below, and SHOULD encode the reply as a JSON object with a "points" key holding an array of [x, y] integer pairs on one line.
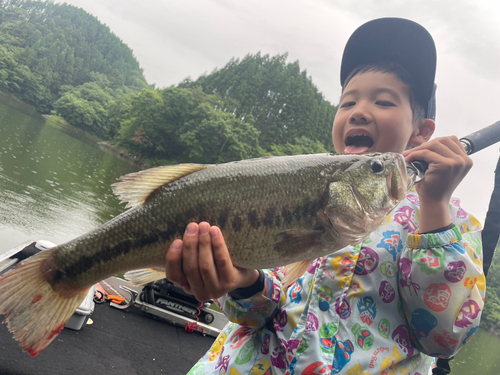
{"points": [[376, 166]]}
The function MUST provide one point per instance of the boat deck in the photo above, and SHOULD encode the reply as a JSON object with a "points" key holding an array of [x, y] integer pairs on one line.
{"points": [[125, 342]]}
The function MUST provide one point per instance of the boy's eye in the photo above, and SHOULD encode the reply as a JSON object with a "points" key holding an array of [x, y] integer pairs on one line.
{"points": [[385, 103], [347, 104]]}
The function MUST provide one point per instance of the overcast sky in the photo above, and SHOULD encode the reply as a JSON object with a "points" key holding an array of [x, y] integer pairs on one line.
{"points": [[175, 39]]}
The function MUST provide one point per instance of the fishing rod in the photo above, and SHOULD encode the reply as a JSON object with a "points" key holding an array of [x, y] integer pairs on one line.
{"points": [[491, 231], [472, 143]]}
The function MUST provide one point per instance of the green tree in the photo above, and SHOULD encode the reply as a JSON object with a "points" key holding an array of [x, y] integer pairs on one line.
{"points": [[55, 45], [117, 110], [283, 101], [216, 137], [301, 145], [182, 124], [84, 106], [490, 319], [144, 121]]}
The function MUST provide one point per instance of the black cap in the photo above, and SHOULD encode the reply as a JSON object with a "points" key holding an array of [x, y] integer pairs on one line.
{"points": [[395, 40]]}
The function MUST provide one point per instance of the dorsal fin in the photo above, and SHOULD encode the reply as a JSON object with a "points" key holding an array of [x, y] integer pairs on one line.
{"points": [[135, 188]]}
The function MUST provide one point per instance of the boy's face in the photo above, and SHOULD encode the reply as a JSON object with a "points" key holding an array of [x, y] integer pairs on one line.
{"points": [[374, 115]]}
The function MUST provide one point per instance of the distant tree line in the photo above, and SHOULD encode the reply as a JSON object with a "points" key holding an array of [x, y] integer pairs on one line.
{"points": [[48, 49], [280, 100], [254, 107], [192, 122], [60, 59], [490, 320]]}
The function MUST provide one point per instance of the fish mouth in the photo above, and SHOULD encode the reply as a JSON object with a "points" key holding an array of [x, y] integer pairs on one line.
{"points": [[358, 142], [397, 181]]}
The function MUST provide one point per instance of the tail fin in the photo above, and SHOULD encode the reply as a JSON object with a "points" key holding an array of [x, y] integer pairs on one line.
{"points": [[34, 312]]}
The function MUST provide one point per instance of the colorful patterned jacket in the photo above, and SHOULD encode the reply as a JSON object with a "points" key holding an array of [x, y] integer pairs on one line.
{"points": [[383, 307]]}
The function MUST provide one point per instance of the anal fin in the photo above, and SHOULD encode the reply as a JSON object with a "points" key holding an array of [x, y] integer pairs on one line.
{"points": [[294, 271], [294, 242], [144, 276]]}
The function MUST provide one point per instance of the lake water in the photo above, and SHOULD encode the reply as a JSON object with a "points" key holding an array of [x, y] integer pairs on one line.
{"points": [[481, 356], [55, 185]]}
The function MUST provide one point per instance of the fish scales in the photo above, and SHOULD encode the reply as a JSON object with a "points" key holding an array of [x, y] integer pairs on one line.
{"points": [[272, 212], [264, 202], [250, 201]]}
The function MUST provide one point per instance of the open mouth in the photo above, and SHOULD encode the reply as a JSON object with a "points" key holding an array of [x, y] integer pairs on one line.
{"points": [[358, 144], [397, 181]]}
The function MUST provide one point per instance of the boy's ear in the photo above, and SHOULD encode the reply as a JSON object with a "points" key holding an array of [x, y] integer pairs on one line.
{"points": [[422, 133]]}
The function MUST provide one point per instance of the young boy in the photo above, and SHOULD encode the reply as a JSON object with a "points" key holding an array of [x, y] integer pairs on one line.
{"points": [[412, 290]]}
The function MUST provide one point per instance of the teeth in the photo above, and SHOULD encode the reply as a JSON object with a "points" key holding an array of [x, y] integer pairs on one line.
{"points": [[355, 138]]}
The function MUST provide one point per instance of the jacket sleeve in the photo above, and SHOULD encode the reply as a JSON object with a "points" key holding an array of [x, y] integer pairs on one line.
{"points": [[442, 285], [255, 311]]}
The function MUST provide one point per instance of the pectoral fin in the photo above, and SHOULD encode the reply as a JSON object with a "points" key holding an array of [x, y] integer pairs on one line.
{"points": [[292, 242]]}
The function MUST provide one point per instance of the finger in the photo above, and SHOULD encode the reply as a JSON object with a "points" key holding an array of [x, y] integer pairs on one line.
{"points": [[450, 143], [225, 268], [441, 157], [449, 167], [190, 256], [433, 159], [173, 265], [453, 143], [435, 152], [206, 263]]}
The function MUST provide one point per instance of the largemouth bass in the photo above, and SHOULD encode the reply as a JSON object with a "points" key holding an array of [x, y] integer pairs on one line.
{"points": [[272, 212]]}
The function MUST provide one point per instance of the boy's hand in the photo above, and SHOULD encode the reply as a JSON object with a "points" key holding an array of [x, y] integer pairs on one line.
{"points": [[448, 165], [201, 265]]}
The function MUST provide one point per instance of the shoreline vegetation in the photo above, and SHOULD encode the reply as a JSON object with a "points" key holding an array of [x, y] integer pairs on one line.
{"points": [[494, 331], [15, 100], [63, 61], [106, 146]]}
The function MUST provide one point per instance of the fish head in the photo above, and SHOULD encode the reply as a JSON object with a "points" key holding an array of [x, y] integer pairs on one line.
{"points": [[366, 191]]}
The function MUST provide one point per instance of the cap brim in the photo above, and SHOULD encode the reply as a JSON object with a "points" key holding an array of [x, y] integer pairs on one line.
{"points": [[394, 40]]}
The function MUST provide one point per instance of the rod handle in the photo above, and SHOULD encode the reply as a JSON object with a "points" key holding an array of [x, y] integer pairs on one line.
{"points": [[472, 143], [481, 139]]}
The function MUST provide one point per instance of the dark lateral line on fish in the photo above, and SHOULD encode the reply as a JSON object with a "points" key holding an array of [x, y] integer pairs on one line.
{"points": [[270, 219]]}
